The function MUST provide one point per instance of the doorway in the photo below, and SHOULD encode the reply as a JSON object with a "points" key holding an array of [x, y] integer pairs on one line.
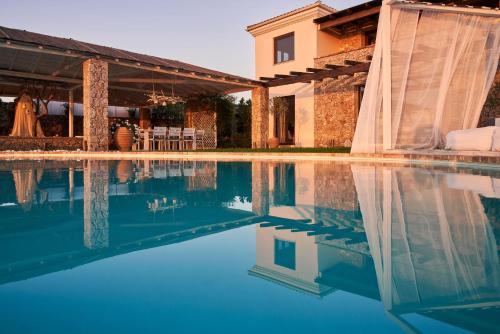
{"points": [[284, 119]]}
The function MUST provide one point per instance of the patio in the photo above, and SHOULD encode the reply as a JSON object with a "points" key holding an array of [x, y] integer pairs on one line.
{"points": [[71, 71]]}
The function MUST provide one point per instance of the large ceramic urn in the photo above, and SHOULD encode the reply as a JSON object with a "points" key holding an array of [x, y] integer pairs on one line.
{"points": [[124, 139]]}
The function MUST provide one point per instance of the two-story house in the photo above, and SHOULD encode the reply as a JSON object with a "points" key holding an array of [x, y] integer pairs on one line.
{"points": [[318, 113], [321, 113]]}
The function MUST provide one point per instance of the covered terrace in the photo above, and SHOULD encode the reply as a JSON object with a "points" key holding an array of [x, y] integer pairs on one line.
{"points": [[97, 76]]}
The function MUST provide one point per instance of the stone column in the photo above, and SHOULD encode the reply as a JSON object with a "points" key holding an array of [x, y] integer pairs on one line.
{"points": [[260, 188], [144, 118], [95, 105], [95, 204], [260, 117]]}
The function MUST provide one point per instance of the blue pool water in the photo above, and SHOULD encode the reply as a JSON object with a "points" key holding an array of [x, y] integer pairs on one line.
{"points": [[247, 247]]}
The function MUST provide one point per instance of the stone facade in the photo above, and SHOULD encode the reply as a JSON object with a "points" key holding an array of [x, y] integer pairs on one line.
{"points": [[260, 117], [96, 204], [336, 101], [260, 188], [95, 105], [491, 108], [46, 144], [335, 187]]}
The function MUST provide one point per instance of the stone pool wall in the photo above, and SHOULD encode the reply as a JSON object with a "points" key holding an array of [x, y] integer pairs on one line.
{"points": [[46, 144]]}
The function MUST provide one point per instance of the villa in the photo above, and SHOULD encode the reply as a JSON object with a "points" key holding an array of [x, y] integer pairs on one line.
{"points": [[311, 66]]}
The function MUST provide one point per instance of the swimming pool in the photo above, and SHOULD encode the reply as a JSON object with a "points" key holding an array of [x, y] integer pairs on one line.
{"points": [[202, 246]]}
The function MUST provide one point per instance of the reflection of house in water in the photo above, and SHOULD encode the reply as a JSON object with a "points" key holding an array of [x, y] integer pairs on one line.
{"points": [[89, 215], [418, 241]]}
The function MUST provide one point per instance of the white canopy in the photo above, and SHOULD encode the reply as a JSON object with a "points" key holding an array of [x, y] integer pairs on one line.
{"points": [[432, 69]]}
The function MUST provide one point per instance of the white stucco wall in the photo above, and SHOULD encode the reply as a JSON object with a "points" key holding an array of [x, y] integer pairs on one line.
{"points": [[306, 49]]}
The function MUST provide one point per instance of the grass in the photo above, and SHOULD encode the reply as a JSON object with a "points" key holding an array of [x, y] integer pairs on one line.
{"points": [[281, 150]]}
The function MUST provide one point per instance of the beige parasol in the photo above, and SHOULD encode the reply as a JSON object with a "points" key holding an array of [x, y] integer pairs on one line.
{"points": [[25, 119]]}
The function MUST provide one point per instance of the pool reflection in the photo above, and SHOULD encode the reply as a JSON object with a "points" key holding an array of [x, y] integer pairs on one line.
{"points": [[418, 240]]}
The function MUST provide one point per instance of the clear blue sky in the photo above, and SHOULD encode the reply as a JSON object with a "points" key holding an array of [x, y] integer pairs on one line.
{"points": [[209, 33]]}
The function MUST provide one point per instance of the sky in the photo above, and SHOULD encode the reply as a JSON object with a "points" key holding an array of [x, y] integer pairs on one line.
{"points": [[205, 33]]}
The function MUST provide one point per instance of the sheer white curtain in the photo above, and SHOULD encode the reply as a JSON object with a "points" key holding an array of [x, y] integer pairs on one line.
{"points": [[443, 66], [432, 245]]}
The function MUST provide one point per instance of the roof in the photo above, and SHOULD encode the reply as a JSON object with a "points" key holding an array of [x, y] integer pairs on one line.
{"points": [[10, 34], [318, 4], [32, 58], [349, 11], [377, 3]]}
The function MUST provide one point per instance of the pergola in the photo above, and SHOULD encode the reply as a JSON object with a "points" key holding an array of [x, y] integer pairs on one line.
{"points": [[98, 76]]}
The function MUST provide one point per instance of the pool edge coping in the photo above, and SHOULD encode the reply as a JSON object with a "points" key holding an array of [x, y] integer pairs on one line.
{"points": [[456, 160]]}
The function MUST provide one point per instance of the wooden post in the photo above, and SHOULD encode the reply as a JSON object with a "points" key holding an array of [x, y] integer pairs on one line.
{"points": [[144, 118], [386, 75], [71, 111]]}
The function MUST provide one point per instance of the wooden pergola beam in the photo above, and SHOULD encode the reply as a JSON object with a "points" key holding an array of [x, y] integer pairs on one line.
{"points": [[148, 81], [189, 74], [352, 62], [35, 76], [282, 76], [349, 18], [320, 75], [313, 70], [297, 73], [333, 66]]}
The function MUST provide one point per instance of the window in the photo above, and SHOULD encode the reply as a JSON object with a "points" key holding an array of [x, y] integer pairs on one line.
{"points": [[360, 94], [284, 48], [370, 37], [284, 253]]}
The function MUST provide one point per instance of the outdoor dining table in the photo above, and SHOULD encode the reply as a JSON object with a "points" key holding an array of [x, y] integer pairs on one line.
{"points": [[148, 133]]}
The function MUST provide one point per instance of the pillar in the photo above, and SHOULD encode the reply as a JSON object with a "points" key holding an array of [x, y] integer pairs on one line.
{"points": [[71, 114], [188, 118], [145, 118], [95, 204], [71, 189], [260, 188], [260, 117], [95, 105]]}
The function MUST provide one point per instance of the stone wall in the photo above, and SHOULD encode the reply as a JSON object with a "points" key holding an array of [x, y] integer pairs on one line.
{"points": [[96, 204], [95, 105], [47, 144], [491, 108], [335, 188], [260, 188], [260, 117], [336, 101]]}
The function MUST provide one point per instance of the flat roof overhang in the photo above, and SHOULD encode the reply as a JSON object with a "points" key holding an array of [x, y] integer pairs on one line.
{"points": [[364, 17], [57, 63]]}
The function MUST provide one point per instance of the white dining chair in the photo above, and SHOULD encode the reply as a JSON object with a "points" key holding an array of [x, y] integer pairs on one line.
{"points": [[174, 137], [200, 139], [159, 136], [188, 136]]}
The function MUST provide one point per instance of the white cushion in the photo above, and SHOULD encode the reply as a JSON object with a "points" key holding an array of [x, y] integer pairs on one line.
{"points": [[483, 185], [496, 140], [480, 139]]}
